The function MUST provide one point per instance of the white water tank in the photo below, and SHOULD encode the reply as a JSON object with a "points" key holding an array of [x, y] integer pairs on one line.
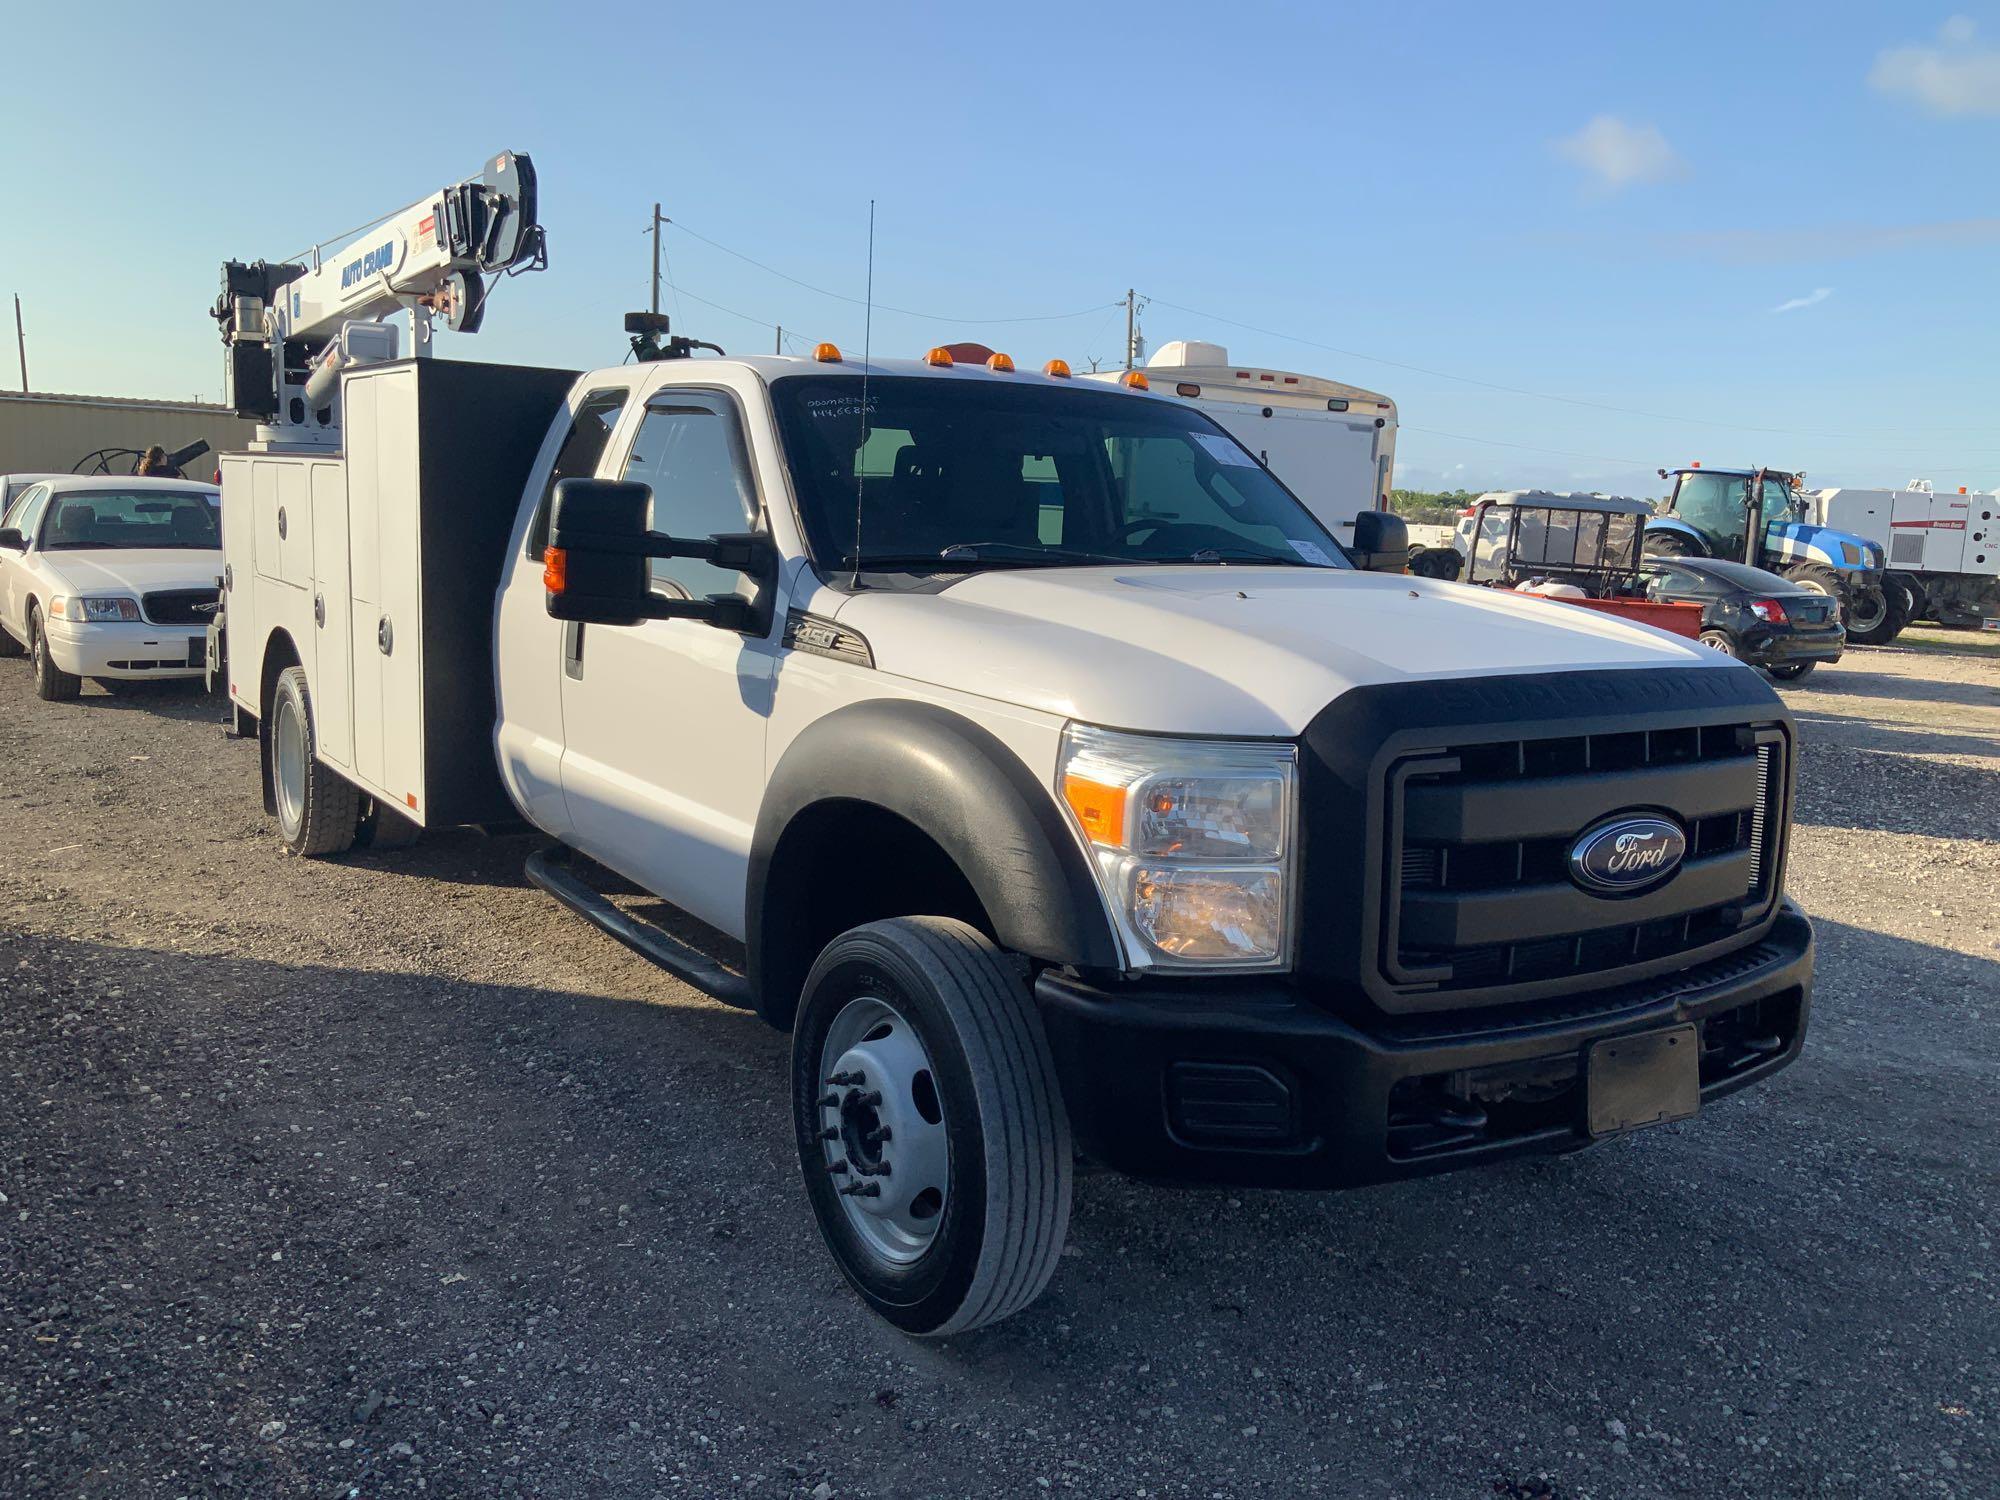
{"points": [[1178, 352]]}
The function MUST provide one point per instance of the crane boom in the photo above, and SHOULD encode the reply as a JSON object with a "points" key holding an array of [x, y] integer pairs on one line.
{"points": [[290, 327]]}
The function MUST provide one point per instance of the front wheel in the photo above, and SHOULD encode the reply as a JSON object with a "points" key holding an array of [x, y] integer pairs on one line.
{"points": [[52, 683], [930, 1124], [1669, 544]]}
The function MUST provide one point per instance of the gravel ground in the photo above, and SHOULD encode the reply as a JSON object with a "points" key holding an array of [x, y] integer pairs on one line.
{"points": [[387, 1175]]}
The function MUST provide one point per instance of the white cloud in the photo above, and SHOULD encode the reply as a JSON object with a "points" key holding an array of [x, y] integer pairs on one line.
{"points": [[1953, 75], [1618, 154], [1818, 295]]}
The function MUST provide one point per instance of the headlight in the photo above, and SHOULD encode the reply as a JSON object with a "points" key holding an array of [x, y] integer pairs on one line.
{"points": [[1192, 843], [70, 608]]}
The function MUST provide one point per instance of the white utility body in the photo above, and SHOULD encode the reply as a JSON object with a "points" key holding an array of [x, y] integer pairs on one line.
{"points": [[1943, 546], [1028, 751], [1333, 445]]}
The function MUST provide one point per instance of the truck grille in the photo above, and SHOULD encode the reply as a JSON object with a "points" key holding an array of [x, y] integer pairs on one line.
{"points": [[1479, 837], [181, 606]]}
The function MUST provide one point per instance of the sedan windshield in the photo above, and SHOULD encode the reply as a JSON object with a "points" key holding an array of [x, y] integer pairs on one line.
{"points": [[957, 475], [132, 518]]}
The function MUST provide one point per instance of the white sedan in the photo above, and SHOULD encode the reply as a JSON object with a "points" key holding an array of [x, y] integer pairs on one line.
{"points": [[109, 578]]}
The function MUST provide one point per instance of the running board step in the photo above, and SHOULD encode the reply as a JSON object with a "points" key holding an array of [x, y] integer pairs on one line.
{"points": [[553, 871]]}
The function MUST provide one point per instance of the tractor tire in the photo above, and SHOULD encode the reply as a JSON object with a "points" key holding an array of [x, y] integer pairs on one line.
{"points": [[1915, 603], [1876, 616], [1821, 580], [1669, 544]]}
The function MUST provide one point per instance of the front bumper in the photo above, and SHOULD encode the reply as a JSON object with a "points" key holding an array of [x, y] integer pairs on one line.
{"points": [[127, 649], [1252, 1085]]}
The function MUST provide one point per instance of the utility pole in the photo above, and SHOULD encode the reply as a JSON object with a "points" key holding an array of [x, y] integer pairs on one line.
{"points": [[657, 221], [21, 342], [780, 349], [1131, 314]]}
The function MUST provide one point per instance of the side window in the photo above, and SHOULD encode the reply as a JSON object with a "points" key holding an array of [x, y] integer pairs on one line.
{"points": [[689, 451], [19, 509], [581, 450], [29, 511]]}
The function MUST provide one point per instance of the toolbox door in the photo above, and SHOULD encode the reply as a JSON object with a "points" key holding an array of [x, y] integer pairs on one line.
{"points": [[333, 664]]}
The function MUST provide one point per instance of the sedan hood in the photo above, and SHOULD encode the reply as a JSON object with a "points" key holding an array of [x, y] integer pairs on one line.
{"points": [[91, 571], [1231, 650]]}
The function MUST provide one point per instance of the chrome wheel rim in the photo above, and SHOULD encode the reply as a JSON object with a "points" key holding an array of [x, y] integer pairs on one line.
{"points": [[1717, 643], [881, 1130], [288, 740]]}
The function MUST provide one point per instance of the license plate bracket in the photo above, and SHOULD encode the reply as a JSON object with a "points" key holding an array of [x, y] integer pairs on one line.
{"points": [[1650, 1078]]}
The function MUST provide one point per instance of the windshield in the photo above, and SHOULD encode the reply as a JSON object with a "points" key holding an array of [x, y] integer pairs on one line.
{"points": [[960, 475], [133, 518]]}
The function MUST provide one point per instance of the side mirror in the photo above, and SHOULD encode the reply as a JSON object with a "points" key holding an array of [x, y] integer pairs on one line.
{"points": [[595, 567], [1381, 542], [12, 540]]}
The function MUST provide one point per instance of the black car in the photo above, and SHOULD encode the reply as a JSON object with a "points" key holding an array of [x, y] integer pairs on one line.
{"points": [[1757, 617]]}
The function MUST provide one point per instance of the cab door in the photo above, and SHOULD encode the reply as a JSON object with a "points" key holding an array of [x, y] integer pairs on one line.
{"points": [[664, 722], [26, 515]]}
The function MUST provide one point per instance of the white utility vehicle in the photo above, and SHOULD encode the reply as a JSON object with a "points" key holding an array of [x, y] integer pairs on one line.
{"points": [[1066, 787], [1332, 445], [1943, 548], [109, 578]]}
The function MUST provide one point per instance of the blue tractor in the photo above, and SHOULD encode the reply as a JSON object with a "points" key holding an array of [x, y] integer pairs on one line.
{"points": [[1756, 516]]}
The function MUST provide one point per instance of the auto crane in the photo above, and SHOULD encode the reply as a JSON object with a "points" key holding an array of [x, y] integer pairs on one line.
{"points": [[291, 327]]}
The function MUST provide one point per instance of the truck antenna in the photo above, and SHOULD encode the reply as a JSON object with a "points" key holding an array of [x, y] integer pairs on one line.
{"points": [[867, 349]]}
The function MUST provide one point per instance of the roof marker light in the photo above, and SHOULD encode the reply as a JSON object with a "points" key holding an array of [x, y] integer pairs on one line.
{"points": [[1136, 379], [1001, 364], [827, 354], [1057, 368], [1695, 465], [940, 356], [1242, 374]]}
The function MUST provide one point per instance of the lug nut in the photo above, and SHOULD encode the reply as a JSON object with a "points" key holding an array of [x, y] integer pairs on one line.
{"points": [[846, 1080], [878, 1135], [862, 1190], [837, 1168], [829, 1101], [831, 1133], [872, 1098]]}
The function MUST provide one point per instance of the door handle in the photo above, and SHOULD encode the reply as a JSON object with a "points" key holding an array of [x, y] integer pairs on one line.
{"points": [[573, 649], [385, 636], [281, 523], [319, 611]]}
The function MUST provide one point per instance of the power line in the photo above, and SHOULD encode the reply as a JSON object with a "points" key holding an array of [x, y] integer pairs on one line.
{"points": [[1511, 390], [883, 306]]}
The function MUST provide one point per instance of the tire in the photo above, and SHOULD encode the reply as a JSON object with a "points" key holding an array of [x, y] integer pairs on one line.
{"points": [[1876, 616], [1718, 640], [52, 683], [1911, 594], [1437, 562], [318, 812], [9, 646], [1669, 544], [384, 829], [926, 1010], [1792, 671]]}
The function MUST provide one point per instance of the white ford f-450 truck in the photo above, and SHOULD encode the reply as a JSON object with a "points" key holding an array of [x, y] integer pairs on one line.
{"points": [[1068, 791]]}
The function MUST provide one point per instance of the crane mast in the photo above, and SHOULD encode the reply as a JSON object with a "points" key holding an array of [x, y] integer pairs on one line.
{"points": [[289, 328]]}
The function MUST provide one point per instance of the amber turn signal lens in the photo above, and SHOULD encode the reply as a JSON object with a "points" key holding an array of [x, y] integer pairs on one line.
{"points": [[555, 570], [1099, 808]]}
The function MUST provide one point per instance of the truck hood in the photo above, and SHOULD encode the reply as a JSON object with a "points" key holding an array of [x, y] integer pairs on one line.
{"points": [[1230, 650], [91, 571]]}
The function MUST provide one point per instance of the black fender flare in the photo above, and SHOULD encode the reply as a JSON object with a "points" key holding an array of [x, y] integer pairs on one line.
{"points": [[957, 783]]}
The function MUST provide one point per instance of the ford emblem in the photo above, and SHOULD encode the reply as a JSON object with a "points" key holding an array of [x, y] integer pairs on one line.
{"points": [[1626, 854]]}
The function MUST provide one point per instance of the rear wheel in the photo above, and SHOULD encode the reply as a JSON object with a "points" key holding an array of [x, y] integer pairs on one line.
{"points": [[930, 1124], [1436, 562], [1876, 616], [384, 829], [52, 683], [1792, 671], [317, 810], [1717, 640]]}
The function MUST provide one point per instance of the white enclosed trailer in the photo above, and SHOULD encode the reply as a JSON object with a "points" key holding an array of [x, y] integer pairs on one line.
{"points": [[1331, 444], [1943, 548]]}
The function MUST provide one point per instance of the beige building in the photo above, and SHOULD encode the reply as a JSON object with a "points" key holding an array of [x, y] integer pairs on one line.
{"points": [[45, 431]]}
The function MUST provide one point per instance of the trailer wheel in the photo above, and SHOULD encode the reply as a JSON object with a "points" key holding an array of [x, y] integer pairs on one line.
{"points": [[317, 810], [931, 1128], [1876, 616], [52, 683]]}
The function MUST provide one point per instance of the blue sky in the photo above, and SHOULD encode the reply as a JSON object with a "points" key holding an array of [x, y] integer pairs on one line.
{"points": [[1607, 204]]}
